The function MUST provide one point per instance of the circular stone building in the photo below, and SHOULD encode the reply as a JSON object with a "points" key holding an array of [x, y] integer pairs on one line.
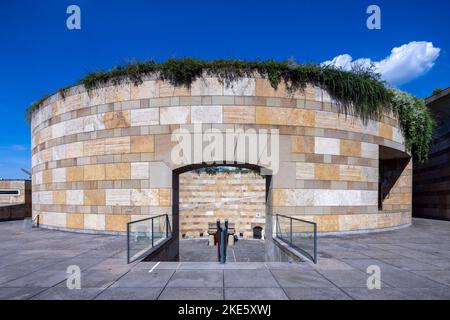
{"points": [[102, 158]]}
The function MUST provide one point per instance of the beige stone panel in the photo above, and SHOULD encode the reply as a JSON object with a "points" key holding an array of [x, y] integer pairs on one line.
{"points": [[117, 119], [145, 197], [239, 114], [240, 87], [59, 152], [264, 88], [94, 172], [38, 178], [75, 197], [385, 131], [45, 197], [329, 120], [326, 171], [59, 175], [349, 123], [369, 174], [327, 146], [94, 221], [350, 148], [116, 93], [369, 150], [327, 223], [59, 197], [47, 176], [357, 222], [116, 222], [302, 144], [74, 102], [206, 114], [371, 127], [55, 219], [142, 144], [74, 174], [145, 117], [304, 171], [313, 93], [164, 197], [207, 87], [350, 173], [285, 116], [118, 197], [94, 197], [75, 221], [166, 89], [93, 123], [140, 170], [74, 150], [58, 130], [292, 197], [145, 90], [160, 175], [74, 126], [397, 135], [324, 197], [388, 219], [118, 171], [174, 115], [94, 147], [117, 145]]}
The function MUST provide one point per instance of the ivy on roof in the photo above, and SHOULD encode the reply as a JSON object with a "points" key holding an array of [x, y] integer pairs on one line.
{"points": [[358, 93]]}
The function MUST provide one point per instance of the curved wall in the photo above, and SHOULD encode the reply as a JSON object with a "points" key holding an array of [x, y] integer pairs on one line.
{"points": [[101, 159]]}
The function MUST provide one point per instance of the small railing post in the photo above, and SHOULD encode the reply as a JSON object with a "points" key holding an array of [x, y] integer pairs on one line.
{"points": [[290, 231], [315, 243], [152, 233], [128, 243], [167, 226]]}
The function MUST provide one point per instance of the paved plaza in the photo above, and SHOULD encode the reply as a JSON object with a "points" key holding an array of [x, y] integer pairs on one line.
{"points": [[414, 262]]}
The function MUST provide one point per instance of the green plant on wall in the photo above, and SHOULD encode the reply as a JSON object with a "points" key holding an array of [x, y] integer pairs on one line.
{"points": [[358, 93]]}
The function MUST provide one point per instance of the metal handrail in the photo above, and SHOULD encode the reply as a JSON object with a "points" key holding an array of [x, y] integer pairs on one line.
{"points": [[290, 242], [168, 232]]}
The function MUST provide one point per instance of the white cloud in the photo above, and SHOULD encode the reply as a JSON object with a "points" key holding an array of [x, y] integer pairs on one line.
{"points": [[404, 64]]}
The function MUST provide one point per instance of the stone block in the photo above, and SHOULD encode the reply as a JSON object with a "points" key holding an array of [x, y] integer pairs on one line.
{"points": [[369, 150], [240, 87], [164, 197], [74, 150], [326, 171], [285, 116], [118, 145], [145, 90], [239, 114], [94, 197], [94, 221], [55, 219], [350, 173], [264, 88], [142, 144], [93, 123], [117, 222], [118, 92], [350, 148], [59, 175], [206, 87], [140, 170], [74, 174], [166, 89], [75, 197], [59, 197], [117, 119], [118, 197], [385, 131], [206, 114], [75, 221], [94, 172], [174, 115], [160, 175], [302, 144], [117, 171], [144, 197], [326, 146], [145, 117]]}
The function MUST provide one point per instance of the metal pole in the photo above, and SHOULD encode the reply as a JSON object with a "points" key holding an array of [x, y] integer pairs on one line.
{"points": [[225, 243], [167, 226], [128, 243], [222, 246], [291, 231], [315, 243], [218, 236], [152, 233]]}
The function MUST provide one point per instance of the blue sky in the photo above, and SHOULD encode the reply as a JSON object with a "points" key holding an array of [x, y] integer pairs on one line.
{"points": [[39, 54]]}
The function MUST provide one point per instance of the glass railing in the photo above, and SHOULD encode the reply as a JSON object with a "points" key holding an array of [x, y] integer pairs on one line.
{"points": [[143, 236], [299, 234]]}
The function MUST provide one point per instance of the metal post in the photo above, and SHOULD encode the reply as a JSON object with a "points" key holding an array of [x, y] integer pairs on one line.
{"points": [[218, 236], [222, 246], [225, 243], [128, 243], [167, 226], [315, 243], [152, 233], [291, 230]]}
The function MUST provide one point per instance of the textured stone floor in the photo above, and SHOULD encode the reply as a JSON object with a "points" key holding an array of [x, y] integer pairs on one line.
{"points": [[414, 263]]}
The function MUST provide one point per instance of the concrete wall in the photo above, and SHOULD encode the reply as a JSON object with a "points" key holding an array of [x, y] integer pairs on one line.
{"points": [[239, 197], [15, 206], [103, 158]]}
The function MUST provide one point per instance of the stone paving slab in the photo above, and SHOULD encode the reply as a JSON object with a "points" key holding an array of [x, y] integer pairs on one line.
{"points": [[414, 263]]}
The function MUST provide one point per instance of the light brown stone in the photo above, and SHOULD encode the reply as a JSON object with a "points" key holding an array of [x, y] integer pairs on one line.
{"points": [[264, 88], [116, 222], [239, 114], [94, 197], [117, 119], [302, 144], [385, 131], [142, 144], [285, 116], [350, 148], [164, 197], [118, 171], [75, 221], [47, 177], [59, 197], [74, 174], [326, 171], [94, 172]]}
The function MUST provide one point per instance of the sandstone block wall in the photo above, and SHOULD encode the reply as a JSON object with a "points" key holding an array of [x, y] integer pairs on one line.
{"points": [[238, 197], [102, 158], [15, 206]]}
